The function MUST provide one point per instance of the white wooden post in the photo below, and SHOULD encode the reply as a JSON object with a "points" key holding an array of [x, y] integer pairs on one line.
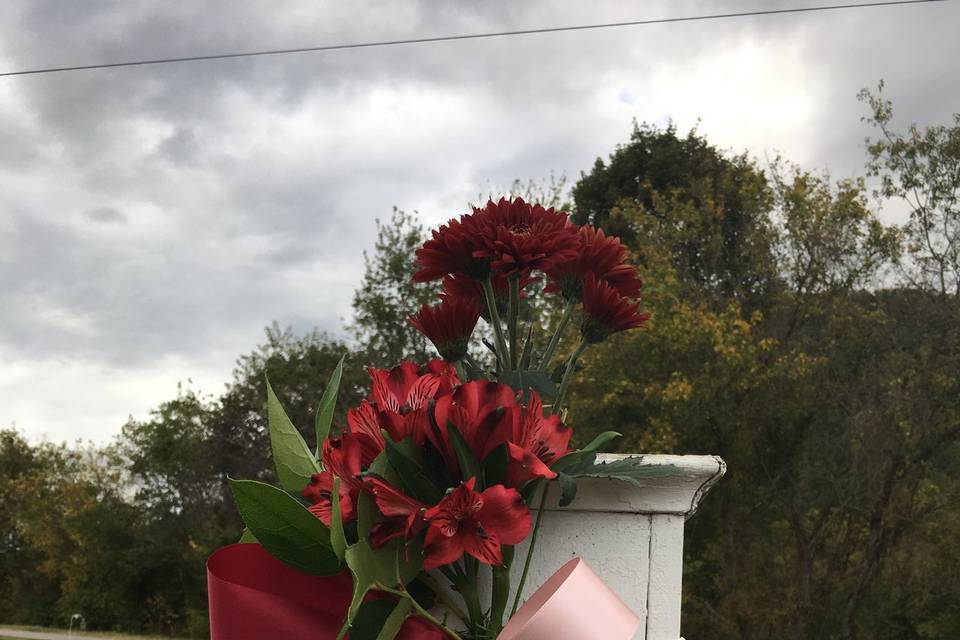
{"points": [[631, 536]]}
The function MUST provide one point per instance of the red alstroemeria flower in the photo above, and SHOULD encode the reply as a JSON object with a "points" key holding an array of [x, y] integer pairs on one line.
{"points": [[404, 515], [450, 250], [364, 424], [448, 325], [606, 311], [518, 238], [600, 255], [536, 443], [402, 389], [449, 380], [466, 521], [343, 456], [402, 396], [477, 410], [319, 491]]}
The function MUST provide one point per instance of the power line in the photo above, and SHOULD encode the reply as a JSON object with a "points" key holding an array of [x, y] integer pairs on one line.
{"points": [[469, 36]]}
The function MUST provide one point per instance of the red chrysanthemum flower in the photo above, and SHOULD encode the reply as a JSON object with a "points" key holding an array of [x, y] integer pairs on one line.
{"points": [[476, 409], [600, 255], [606, 311], [466, 521], [450, 250], [448, 325], [536, 443], [518, 238]]}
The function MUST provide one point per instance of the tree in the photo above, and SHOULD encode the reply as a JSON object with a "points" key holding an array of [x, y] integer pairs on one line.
{"points": [[684, 182], [833, 401], [388, 295], [921, 167]]}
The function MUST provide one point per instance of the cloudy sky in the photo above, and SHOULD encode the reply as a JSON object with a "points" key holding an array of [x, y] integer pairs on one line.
{"points": [[154, 219]]}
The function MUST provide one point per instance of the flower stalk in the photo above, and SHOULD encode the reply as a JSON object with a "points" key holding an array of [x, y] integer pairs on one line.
{"points": [[513, 314], [533, 543], [568, 375], [557, 335], [499, 341]]}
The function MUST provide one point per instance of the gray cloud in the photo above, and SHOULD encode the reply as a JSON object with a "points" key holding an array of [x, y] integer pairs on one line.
{"points": [[154, 219]]}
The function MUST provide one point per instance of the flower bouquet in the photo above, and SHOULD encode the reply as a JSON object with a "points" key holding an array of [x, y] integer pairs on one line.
{"points": [[390, 526]]}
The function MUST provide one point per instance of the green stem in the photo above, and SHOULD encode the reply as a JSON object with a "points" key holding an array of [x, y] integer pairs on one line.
{"points": [[514, 313], [461, 371], [499, 342], [443, 597], [555, 339], [533, 542], [500, 591], [568, 376], [423, 613]]}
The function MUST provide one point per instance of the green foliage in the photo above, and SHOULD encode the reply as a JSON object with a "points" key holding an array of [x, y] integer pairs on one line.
{"points": [[328, 403], [338, 539], [387, 296], [833, 402], [782, 339], [285, 528], [921, 167], [390, 567], [294, 462]]}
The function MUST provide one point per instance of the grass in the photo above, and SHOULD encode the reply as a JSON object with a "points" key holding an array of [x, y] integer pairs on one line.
{"points": [[81, 634]]}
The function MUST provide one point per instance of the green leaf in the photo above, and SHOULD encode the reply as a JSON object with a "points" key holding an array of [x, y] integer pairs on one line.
{"points": [[367, 511], [469, 467], [527, 353], [630, 470], [601, 441], [285, 528], [328, 402], [495, 466], [590, 450], [338, 539], [411, 473], [568, 489], [392, 566], [524, 380], [292, 458], [396, 619], [247, 537], [372, 616]]}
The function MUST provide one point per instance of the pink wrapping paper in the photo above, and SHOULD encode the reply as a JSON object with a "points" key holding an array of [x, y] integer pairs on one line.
{"points": [[574, 604]]}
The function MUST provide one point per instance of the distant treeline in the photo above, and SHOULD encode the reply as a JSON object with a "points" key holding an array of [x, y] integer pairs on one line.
{"points": [[813, 347]]}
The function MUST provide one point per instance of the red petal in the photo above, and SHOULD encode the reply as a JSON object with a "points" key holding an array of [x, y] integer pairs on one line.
{"points": [[439, 549], [390, 501], [481, 544], [504, 515], [524, 466]]}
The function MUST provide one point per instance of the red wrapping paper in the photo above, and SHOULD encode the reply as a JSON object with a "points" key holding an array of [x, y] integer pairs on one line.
{"points": [[254, 596]]}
